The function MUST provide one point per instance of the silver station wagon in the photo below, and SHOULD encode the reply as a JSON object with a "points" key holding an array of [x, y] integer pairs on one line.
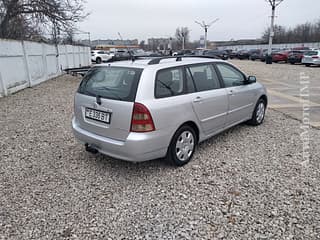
{"points": [[163, 107]]}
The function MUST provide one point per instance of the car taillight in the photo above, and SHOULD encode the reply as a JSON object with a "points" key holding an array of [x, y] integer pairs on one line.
{"points": [[141, 119]]}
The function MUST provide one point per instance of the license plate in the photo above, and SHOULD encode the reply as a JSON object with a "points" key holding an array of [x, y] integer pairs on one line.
{"points": [[97, 115]]}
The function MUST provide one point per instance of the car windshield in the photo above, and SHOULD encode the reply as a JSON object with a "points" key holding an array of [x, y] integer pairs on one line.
{"points": [[117, 83]]}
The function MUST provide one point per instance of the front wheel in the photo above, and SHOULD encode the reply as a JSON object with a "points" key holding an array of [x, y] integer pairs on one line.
{"points": [[182, 146], [258, 113]]}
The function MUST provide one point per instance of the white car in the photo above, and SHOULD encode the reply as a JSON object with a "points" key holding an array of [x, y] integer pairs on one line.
{"points": [[311, 58], [99, 56]]}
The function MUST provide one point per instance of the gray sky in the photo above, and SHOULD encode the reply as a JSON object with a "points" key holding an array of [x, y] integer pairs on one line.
{"points": [[239, 19]]}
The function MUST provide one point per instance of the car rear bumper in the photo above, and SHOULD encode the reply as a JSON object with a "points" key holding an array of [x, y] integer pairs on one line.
{"points": [[138, 147]]}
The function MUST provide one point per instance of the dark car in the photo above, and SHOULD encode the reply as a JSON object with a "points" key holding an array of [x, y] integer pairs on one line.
{"points": [[218, 53], [243, 54], [120, 55], [184, 52], [255, 54], [295, 56], [233, 54]]}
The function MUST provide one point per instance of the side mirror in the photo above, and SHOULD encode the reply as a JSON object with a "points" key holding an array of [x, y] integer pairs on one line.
{"points": [[251, 79]]}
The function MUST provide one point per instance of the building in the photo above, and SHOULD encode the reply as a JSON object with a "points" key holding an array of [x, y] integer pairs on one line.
{"points": [[159, 43]]}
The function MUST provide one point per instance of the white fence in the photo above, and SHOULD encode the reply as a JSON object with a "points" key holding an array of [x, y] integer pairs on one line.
{"points": [[25, 64], [265, 46]]}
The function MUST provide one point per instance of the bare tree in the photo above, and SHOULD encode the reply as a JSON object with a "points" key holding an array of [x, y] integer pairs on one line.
{"points": [[182, 35], [307, 32], [18, 17]]}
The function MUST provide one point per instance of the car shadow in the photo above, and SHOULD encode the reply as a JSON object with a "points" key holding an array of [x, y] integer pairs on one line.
{"points": [[102, 163]]}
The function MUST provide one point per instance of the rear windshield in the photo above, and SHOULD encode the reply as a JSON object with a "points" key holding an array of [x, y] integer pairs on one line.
{"points": [[311, 53], [117, 83]]}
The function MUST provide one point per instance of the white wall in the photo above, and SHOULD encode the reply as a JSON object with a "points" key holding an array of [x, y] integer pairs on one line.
{"points": [[265, 46], [25, 64]]}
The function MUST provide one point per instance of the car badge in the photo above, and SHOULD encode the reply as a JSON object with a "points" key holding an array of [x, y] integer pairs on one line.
{"points": [[95, 105]]}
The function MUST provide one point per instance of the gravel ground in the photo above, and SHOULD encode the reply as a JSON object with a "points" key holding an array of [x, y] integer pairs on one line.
{"points": [[247, 183]]}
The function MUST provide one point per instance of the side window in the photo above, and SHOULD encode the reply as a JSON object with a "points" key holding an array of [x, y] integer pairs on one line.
{"points": [[230, 76], [169, 82], [205, 78]]}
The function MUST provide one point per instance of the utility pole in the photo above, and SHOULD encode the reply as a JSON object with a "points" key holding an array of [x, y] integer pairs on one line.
{"points": [[183, 37], [205, 27], [89, 38], [274, 4]]}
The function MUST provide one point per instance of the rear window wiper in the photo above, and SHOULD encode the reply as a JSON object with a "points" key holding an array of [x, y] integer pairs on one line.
{"points": [[110, 90], [167, 87]]}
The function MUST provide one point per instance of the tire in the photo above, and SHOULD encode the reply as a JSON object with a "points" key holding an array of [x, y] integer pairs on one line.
{"points": [[258, 113], [308, 64], [182, 146], [98, 60]]}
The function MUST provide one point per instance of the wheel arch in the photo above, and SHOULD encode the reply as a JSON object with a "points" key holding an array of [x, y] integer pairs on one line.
{"points": [[194, 126], [264, 98]]}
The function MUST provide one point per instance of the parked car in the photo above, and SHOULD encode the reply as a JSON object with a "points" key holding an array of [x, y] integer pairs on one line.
{"points": [[99, 56], [142, 53], [281, 56], [295, 56], [243, 54], [120, 55], [183, 52], [218, 53], [147, 109], [311, 58], [233, 54], [265, 54], [255, 54]]}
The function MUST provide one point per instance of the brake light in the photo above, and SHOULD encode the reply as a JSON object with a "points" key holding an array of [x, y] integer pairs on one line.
{"points": [[141, 119]]}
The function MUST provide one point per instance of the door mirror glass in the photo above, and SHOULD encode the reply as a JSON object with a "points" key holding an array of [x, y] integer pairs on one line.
{"points": [[252, 79]]}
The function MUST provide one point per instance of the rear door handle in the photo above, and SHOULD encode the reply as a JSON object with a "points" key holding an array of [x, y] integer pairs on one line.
{"points": [[197, 100], [230, 92]]}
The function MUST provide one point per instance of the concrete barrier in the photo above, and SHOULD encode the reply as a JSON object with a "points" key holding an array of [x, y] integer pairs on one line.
{"points": [[25, 64]]}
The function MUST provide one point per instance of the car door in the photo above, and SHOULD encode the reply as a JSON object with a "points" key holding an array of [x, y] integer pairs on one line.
{"points": [[105, 56], [240, 94], [209, 101]]}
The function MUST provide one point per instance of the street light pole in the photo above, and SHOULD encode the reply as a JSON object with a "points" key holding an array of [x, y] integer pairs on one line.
{"points": [[206, 27], [274, 4], [183, 41]]}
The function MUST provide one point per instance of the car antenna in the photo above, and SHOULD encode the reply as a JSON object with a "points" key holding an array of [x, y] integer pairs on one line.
{"points": [[131, 56]]}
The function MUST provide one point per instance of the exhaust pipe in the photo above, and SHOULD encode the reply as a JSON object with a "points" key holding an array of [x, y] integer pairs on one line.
{"points": [[91, 149]]}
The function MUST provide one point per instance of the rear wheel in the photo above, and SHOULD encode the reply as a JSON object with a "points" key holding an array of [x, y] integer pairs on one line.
{"points": [[98, 60], [308, 64], [258, 113], [182, 146]]}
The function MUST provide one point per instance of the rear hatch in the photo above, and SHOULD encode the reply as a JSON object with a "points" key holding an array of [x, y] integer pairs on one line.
{"points": [[311, 56], [105, 99]]}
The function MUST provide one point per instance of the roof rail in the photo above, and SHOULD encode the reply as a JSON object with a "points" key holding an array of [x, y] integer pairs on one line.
{"points": [[179, 58], [158, 59]]}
